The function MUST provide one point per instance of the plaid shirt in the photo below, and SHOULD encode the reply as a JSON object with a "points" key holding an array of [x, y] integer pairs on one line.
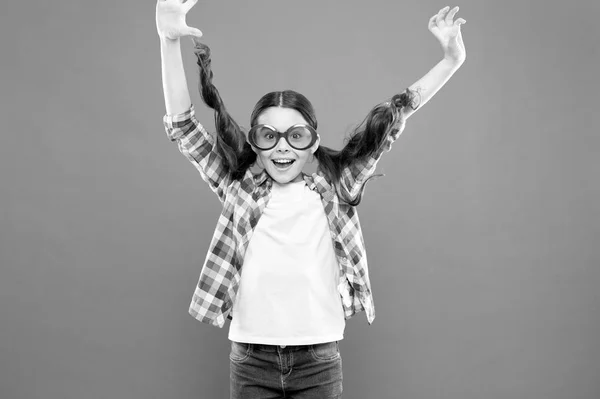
{"points": [[244, 201]]}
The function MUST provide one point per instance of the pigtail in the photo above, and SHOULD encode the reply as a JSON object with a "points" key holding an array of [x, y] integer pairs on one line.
{"points": [[231, 142], [366, 140]]}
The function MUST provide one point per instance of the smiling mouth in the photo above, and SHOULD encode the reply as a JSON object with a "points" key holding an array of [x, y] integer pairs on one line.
{"points": [[283, 164]]}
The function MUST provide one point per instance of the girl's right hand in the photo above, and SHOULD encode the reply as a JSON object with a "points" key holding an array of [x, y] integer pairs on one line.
{"points": [[170, 19]]}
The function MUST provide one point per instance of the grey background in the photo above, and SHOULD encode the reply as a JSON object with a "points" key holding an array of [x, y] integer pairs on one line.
{"points": [[482, 238]]}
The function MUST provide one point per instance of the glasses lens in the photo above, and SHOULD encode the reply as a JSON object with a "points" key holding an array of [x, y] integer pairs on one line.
{"points": [[300, 137], [264, 137]]}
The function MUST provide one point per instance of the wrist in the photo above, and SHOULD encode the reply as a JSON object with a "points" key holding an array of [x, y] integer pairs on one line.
{"points": [[164, 41]]}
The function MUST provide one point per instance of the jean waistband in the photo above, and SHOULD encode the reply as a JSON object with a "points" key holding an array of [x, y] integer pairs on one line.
{"points": [[281, 348]]}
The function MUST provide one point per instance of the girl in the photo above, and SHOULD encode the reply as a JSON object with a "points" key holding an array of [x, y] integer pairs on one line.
{"points": [[287, 262]]}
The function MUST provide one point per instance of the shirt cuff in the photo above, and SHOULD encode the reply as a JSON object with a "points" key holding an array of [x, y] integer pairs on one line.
{"points": [[179, 120]]}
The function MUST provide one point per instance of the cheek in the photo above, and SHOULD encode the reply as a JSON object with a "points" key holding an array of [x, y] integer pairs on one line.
{"points": [[264, 156], [302, 159]]}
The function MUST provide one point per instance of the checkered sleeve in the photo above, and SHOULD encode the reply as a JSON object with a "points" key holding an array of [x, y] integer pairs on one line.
{"points": [[354, 175], [198, 146]]}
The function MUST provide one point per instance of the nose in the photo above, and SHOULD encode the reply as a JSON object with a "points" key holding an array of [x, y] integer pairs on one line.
{"points": [[282, 145]]}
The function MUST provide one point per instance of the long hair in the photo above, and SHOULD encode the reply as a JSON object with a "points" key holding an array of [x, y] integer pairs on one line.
{"points": [[366, 139], [231, 142]]}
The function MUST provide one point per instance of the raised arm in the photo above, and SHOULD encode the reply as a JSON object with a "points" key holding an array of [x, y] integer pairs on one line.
{"points": [[447, 31], [194, 142], [171, 26], [177, 96], [384, 124]]}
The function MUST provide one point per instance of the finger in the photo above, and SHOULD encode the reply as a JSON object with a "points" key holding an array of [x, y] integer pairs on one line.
{"points": [[441, 14], [460, 40], [193, 32], [460, 21], [189, 4], [432, 22], [461, 44], [450, 15]]}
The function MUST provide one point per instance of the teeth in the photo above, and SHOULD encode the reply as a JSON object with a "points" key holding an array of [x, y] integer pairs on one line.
{"points": [[283, 160]]}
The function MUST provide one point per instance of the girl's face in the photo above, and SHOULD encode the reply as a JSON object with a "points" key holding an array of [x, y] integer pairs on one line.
{"points": [[281, 119]]}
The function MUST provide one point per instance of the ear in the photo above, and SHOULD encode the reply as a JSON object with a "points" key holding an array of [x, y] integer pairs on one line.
{"points": [[315, 145], [256, 151]]}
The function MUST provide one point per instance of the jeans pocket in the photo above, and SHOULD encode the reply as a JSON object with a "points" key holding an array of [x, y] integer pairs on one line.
{"points": [[326, 351], [239, 351]]}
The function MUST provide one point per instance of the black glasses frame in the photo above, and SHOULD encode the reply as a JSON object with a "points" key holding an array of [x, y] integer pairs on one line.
{"points": [[285, 135]]}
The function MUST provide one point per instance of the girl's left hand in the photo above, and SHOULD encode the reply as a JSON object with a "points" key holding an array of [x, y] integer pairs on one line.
{"points": [[448, 34]]}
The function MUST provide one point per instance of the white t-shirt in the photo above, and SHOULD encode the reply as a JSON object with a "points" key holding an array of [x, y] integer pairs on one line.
{"points": [[288, 293]]}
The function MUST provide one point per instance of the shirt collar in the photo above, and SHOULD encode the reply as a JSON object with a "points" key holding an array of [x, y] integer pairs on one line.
{"points": [[261, 177]]}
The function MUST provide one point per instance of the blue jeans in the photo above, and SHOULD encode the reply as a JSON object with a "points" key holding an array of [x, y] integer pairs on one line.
{"points": [[296, 371]]}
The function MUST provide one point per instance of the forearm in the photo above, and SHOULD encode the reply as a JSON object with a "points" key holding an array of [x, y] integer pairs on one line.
{"points": [[431, 83], [175, 88]]}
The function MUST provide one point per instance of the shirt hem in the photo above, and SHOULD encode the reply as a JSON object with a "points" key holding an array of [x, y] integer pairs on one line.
{"points": [[286, 341]]}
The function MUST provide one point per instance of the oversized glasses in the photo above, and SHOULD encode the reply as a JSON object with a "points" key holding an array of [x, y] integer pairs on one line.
{"points": [[265, 137]]}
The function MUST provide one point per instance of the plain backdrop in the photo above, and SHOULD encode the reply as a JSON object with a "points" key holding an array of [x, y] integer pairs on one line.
{"points": [[483, 237]]}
